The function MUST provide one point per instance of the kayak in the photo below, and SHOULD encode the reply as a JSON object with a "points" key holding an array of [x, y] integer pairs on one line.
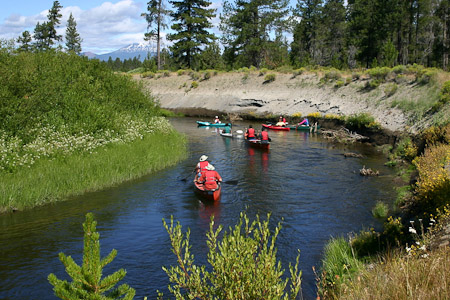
{"points": [[201, 123], [270, 126], [213, 195], [303, 127], [258, 144]]}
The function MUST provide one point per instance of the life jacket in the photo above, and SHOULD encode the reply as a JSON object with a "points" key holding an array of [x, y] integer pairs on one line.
{"points": [[202, 166], [216, 121], [264, 136], [250, 133], [209, 179]]}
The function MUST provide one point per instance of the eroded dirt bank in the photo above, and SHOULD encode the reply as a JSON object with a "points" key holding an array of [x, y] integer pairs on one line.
{"points": [[234, 93]]}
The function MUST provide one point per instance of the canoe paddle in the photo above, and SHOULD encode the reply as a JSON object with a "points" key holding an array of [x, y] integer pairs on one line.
{"points": [[232, 182], [190, 174]]}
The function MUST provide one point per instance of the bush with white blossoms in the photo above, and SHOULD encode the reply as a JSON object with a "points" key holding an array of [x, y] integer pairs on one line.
{"points": [[50, 142]]}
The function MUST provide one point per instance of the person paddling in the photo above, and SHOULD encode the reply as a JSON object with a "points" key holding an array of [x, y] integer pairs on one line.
{"points": [[217, 120], [210, 178], [264, 136], [250, 133], [201, 166]]}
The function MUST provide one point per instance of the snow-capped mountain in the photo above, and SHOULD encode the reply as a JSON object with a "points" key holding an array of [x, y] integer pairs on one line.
{"points": [[131, 51]]}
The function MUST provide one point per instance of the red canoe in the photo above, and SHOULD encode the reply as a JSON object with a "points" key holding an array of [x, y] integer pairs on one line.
{"points": [[212, 195], [270, 126], [258, 144]]}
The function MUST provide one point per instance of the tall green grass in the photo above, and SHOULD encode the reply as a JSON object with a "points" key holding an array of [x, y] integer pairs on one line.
{"points": [[51, 180]]}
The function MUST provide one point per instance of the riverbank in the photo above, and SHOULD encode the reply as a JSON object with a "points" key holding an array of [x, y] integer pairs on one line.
{"points": [[52, 180], [397, 103]]}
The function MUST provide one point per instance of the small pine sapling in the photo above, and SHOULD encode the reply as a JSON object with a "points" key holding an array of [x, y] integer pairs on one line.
{"points": [[87, 282]]}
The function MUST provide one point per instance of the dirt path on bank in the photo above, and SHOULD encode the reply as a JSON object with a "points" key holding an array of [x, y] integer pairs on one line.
{"points": [[233, 93]]}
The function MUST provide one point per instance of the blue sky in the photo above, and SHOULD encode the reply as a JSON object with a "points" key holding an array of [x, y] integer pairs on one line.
{"points": [[104, 26]]}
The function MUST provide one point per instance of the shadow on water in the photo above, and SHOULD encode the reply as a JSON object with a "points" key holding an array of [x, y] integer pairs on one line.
{"points": [[302, 181]]}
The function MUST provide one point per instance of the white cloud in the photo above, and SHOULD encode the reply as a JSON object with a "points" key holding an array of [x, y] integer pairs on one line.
{"points": [[105, 28]]}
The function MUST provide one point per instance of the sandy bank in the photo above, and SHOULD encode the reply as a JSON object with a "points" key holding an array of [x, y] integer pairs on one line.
{"points": [[233, 93]]}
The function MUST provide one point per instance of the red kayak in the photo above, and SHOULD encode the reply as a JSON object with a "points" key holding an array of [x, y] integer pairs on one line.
{"points": [[270, 126], [258, 144], [212, 195]]}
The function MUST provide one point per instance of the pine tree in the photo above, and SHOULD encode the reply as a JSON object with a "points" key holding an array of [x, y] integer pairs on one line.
{"points": [[53, 21], [25, 41], [73, 40], [247, 27], [304, 45], [191, 20], [86, 280], [41, 37], [156, 21]]}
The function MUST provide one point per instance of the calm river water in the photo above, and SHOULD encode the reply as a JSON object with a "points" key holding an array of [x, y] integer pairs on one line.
{"points": [[303, 180]]}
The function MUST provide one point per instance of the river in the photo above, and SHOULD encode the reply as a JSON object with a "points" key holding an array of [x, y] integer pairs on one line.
{"points": [[303, 181]]}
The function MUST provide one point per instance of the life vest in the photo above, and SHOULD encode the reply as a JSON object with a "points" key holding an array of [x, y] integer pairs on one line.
{"points": [[209, 179], [264, 136], [202, 166], [216, 121], [250, 133]]}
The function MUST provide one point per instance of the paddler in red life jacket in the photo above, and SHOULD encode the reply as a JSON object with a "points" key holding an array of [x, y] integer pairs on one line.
{"points": [[250, 133], [201, 166], [264, 136], [210, 178]]}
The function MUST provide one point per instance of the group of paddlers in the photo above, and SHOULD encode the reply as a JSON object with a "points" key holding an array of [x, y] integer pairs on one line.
{"points": [[252, 134], [206, 174]]}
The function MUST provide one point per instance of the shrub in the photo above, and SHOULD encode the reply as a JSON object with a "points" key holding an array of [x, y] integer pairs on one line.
{"points": [[339, 83], [181, 72], [400, 69], [426, 76], [87, 280], [285, 69], [269, 78], [372, 84], [314, 115], [206, 75], [298, 72], [406, 149], [433, 184], [332, 75], [263, 71], [194, 84], [245, 77], [243, 264], [194, 75], [338, 266], [297, 115], [148, 74], [390, 89], [333, 117], [380, 211], [166, 73], [378, 73], [361, 120], [356, 75]]}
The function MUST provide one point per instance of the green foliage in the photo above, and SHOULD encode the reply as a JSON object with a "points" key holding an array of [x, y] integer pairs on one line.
{"points": [[406, 149], [372, 84], [206, 75], [243, 264], [339, 264], [66, 91], [73, 39], [426, 76], [148, 75], [191, 21], [194, 84], [269, 78], [390, 89], [400, 69], [361, 120], [263, 71], [87, 282], [332, 75], [339, 83], [378, 73], [380, 211], [444, 97]]}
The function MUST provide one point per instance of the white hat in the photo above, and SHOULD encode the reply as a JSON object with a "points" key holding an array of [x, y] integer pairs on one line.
{"points": [[203, 158], [217, 117], [210, 167]]}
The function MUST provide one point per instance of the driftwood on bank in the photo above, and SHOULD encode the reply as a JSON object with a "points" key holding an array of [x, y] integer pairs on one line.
{"points": [[351, 154], [343, 135]]}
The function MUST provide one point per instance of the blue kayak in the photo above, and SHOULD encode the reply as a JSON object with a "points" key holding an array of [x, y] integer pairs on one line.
{"points": [[201, 123]]}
